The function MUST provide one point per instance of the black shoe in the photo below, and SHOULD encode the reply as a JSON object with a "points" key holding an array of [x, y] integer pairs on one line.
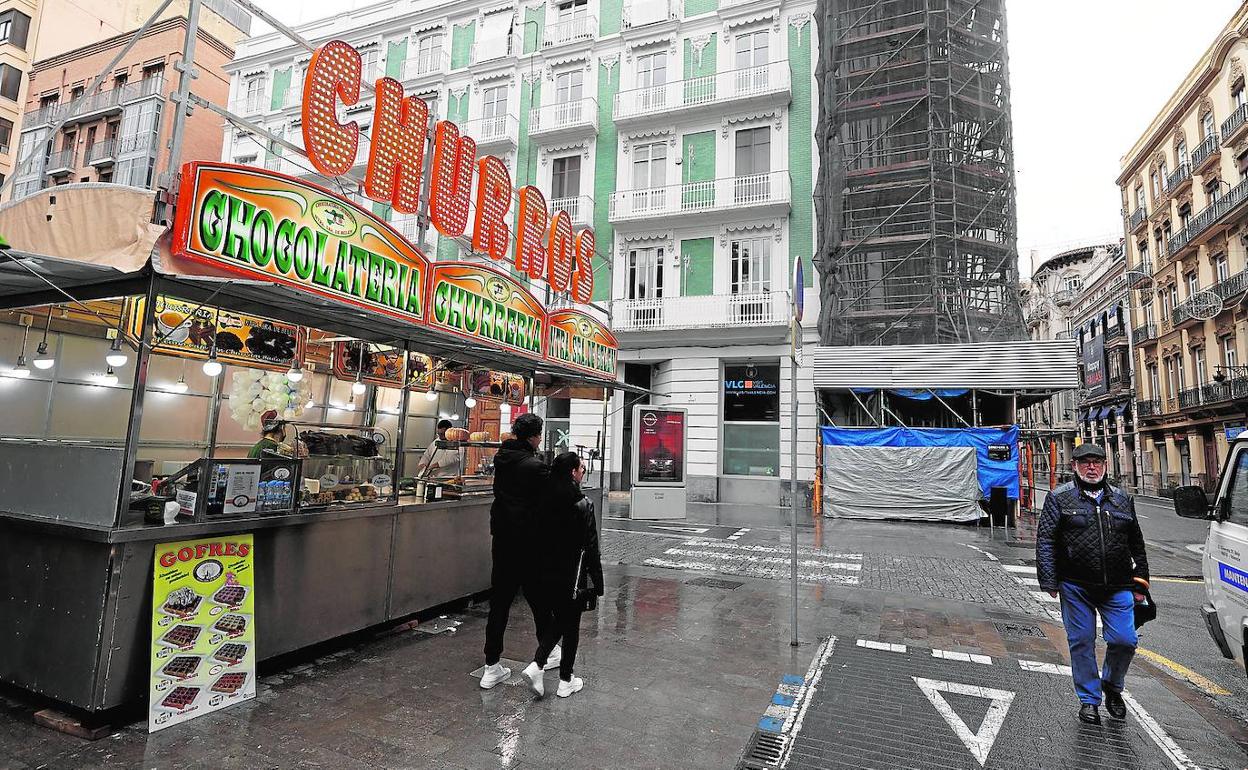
{"points": [[1088, 714], [1114, 705]]}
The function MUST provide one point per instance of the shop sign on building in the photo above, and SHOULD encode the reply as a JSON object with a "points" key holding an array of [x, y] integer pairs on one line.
{"points": [[582, 343], [752, 392], [1094, 365], [203, 628], [481, 304], [261, 224]]}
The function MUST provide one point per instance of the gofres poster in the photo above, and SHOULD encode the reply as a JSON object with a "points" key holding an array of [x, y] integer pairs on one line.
{"points": [[660, 446], [203, 629]]}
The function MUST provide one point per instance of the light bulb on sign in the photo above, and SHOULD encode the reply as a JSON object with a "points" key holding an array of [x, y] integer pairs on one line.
{"points": [[296, 372], [358, 388], [116, 357], [180, 386], [21, 370], [212, 367]]}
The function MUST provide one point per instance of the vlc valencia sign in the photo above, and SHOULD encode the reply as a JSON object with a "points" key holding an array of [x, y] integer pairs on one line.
{"points": [[545, 244]]}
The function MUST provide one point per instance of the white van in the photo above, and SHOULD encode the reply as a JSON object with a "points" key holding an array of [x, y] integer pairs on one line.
{"points": [[1226, 551]]}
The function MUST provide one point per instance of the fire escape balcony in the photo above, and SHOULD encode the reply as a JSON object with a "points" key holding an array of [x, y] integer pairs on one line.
{"points": [[767, 85], [759, 195], [1206, 153], [1179, 179], [1137, 219], [1202, 224], [1234, 127]]}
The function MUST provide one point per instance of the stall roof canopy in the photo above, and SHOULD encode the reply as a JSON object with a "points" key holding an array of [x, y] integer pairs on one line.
{"points": [[33, 278], [1017, 366]]}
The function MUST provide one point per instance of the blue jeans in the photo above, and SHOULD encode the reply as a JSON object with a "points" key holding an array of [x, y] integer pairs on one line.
{"points": [[1117, 608]]}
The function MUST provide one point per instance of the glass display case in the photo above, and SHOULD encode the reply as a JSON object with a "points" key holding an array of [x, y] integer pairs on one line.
{"points": [[210, 489], [476, 476], [344, 464]]}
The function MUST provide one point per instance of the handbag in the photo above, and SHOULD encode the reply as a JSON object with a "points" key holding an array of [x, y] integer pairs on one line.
{"points": [[583, 595], [1145, 609]]}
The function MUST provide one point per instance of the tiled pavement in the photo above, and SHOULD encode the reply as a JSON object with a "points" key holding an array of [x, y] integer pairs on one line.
{"points": [[678, 674]]}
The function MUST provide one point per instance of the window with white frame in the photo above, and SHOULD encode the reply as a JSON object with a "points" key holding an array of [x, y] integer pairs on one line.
{"points": [[1180, 152], [753, 165], [749, 266], [569, 90], [650, 166], [1173, 378], [1198, 359], [1154, 382], [573, 9], [370, 64], [1237, 93], [429, 53], [1193, 283], [254, 91], [1229, 355], [651, 79], [565, 180], [1207, 128], [1139, 197], [752, 57], [1221, 268], [1174, 298], [1072, 283], [645, 273]]}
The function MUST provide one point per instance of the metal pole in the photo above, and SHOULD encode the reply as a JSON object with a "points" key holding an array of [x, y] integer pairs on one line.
{"points": [[137, 393], [794, 331], [400, 439], [181, 97], [214, 413]]}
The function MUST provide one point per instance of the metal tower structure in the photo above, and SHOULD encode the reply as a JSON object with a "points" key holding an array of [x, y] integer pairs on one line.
{"points": [[917, 238]]}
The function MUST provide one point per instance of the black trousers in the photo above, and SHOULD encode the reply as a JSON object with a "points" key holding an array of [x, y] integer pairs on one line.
{"points": [[566, 626], [506, 579]]}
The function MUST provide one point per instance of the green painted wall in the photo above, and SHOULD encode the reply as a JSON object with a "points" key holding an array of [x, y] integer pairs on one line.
{"points": [[610, 16], [801, 164], [526, 153], [457, 110], [696, 7], [605, 171], [695, 68], [697, 259], [697, 165], [534, 24], [448, 249], [281, 83], [462, 38], [396, 54]]}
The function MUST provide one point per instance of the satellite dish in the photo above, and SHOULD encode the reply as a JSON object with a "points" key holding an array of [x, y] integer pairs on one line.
{"points": [[1138, 280], [1204, 305]]}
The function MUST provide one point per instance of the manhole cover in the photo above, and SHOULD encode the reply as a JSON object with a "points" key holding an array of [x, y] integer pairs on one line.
{"points": [[1020, 630], [707, 582]]}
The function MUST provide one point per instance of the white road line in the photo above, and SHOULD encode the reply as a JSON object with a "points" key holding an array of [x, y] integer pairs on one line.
{"points": [[814, 674], [672, 536], [965, 657], [813, 563], [991, 557], [1159, 735], [884, 646], [980, 742], [1043, 596], [1028, 581], [1044, 668], [720, 544], [753, 571], [1022, 569]]}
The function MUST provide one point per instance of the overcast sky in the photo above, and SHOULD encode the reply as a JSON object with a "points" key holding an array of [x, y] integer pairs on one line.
{"points": [[1087, 77]]}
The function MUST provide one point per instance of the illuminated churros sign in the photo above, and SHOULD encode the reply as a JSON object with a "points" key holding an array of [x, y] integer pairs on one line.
{"points": [[481, 304], [545, 244], [260, 224], [579, 341]]}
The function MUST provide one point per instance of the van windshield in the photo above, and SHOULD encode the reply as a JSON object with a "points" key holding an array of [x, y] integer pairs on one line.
{"points": [[1237, 505]]}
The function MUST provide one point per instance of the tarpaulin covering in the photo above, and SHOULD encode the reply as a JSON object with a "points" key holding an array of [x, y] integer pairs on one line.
{"points": [[925, 478], [920, 395]]}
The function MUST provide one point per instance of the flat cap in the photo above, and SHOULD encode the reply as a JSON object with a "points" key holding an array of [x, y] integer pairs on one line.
{"points": [[1085, 451]]}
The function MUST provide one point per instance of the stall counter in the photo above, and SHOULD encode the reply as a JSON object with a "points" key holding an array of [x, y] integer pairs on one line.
{"points": [[84, 640]]}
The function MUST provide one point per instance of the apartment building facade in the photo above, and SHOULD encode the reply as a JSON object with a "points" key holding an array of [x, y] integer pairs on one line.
{"points": [[17, 39], [119, 134], [1184, 185], [681, 132]]}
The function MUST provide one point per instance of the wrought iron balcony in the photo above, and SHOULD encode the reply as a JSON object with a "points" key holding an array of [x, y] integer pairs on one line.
{"points": [[1114, 332], [1064, 297], [1232, 389], [569, 31], [1189, 398], [44, 116], [1144, 333], [1234, 125], [709, 312], [1148, 408], [1232, 286], [1208, 217], [1204, 151], [738, 194], [764, 83], [1178, 178], [1137, 218]]}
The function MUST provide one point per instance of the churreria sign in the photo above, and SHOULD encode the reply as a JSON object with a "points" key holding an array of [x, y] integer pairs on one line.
{"points": [[479, 303], [289, 231]]}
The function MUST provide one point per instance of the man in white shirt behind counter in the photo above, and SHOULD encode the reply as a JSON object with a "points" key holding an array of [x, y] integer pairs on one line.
{"points": [[438, 463]]}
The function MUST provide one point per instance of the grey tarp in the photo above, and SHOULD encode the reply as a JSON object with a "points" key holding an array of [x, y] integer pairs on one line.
{"points": [[927, 483]]}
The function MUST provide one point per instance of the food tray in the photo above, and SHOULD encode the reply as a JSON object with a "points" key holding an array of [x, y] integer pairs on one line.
{"points": [[181, 667], [182, 636], [230, 683], [182, 603], [231, 653], [180, 699], [231, 625], [230, 595]]}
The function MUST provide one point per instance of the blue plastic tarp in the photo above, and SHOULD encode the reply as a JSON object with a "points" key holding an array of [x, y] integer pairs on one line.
{"points": [[919, 395], [991, 473]]}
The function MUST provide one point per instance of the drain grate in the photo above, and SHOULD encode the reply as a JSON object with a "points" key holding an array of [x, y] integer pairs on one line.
{"points": [[707, 582], [1020, 630], [762, 752]]}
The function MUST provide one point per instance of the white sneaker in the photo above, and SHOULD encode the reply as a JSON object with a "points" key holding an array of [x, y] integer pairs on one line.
{"points": [[493, 675], [533, 673], [554, 659], [567, 688]]}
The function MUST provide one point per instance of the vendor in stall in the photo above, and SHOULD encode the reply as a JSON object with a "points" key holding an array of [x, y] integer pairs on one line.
{"points": [[272, 439], [440, 463]]}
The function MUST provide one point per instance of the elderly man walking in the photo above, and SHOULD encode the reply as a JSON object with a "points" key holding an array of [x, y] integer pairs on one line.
{"points": [[1089, 549]]}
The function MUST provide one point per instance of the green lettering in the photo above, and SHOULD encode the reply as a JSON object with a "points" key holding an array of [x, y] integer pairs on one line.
{"points": [[284, 246], [415, 294], [390, 292], [441, 302], [322, 274], [262, 238], [472, 307], [236, 227], [457, 307], [342, 274], [376, 270], [211, 215]]}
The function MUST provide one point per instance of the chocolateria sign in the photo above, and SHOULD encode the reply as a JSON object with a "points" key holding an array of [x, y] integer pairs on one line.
{"points": [[264, 225]]}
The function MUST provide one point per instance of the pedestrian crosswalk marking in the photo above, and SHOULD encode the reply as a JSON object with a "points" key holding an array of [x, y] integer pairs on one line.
{"points": [[1020, 568], [752, 570], [1043, 668], [965, 657], [699, 553], [885, 646], [980, 742], [687, 530]]}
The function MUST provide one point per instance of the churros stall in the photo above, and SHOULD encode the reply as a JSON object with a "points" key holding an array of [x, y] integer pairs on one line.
{"points": [[157, 357]]}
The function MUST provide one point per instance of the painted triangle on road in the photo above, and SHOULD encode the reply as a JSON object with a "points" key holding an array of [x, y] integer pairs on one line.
{"points": [[980, 742], [690, 530]]}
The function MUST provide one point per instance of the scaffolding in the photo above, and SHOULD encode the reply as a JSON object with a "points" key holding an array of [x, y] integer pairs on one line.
{"points": [[916, 187]]}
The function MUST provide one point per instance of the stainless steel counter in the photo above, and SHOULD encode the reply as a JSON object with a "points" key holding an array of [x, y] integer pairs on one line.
{"points": [[76, 600]]}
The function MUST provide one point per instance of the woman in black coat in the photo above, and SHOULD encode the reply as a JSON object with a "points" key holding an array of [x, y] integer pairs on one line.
{"points": [[571, 576]]}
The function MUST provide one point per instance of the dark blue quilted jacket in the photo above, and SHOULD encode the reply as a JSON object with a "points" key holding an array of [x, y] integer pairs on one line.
{"points": [[1078, 541]]}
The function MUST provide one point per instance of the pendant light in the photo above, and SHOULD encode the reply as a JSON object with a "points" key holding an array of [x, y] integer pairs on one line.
{"points": [[357, 387], [212, 367], [295, 374], [470, 402], [116, 356], [109, 378], [180, 386], [43, 359], [431, 395], [21, 369]]}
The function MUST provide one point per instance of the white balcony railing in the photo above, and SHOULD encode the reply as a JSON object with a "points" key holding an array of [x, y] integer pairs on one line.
{"points": [[713, 312], [492, 131], [639, 13], [549, 118], [569, 31], [693, 197], [102, 152], [580, 208], [434, 62], [720, 88], [489, 49]]}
